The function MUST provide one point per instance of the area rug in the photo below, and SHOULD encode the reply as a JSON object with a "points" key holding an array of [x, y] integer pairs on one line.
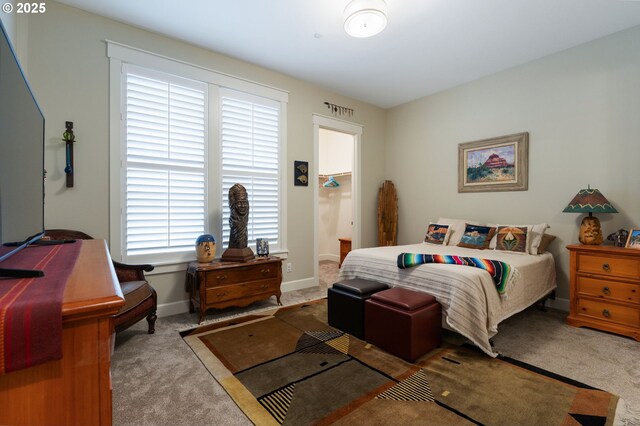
{"points": [[288, 366]]}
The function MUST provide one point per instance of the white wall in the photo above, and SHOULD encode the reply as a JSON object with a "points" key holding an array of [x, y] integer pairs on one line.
{"points": [[581, 108], [69, 73]]}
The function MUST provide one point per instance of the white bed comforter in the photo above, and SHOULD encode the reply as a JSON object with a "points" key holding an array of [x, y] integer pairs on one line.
{"points": [[470, 302]]}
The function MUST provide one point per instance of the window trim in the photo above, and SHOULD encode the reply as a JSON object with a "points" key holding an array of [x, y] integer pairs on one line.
{"points": [[120, 54]]}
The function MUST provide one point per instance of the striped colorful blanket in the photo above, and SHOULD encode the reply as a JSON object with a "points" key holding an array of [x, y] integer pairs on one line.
{"points": [[501, 273]]}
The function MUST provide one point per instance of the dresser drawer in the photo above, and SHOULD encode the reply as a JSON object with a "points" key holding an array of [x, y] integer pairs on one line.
{"points": [[609, 290], [605, 265], [238, 291], [243, 274], [609, 312]]}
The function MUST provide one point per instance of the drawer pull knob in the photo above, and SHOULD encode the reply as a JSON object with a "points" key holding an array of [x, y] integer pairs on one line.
{"points": [[264, 286], [265, 271], [221, 277], [606, 267], [606, 313], [224, 293], [606, 290]]}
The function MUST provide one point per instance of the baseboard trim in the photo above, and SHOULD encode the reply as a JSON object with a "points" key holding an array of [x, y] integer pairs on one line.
{"points": [[173, 308], [182, 306], [559, 304]]}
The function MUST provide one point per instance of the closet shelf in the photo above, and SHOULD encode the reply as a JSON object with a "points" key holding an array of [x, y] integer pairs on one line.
{"points": [[334, 175]]}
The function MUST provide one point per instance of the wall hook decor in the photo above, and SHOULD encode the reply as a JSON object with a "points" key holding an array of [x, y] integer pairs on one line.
{"points": [[339, 110], [69, 138]]}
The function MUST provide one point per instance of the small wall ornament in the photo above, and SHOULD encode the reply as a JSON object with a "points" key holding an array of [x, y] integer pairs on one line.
{"points": [[69, 138], [301, 173]]}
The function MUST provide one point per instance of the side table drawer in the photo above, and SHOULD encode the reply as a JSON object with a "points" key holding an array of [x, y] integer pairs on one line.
{"points": [[613, 266], [609, 312], [243, 274], [610, 290], [237, 291]]}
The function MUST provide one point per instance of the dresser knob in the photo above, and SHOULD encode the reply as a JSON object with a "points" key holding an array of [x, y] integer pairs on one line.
{"points": [[606, 267], [606, 313], [606, 290], [265, 271], [221, 294], [221, 277]]}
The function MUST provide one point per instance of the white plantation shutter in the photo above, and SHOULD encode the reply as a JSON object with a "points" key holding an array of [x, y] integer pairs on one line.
{"points": [[164, 164], [250, 156]]}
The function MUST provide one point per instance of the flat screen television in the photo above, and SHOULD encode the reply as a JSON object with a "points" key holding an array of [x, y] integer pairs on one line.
{"points": [[21, 157]]}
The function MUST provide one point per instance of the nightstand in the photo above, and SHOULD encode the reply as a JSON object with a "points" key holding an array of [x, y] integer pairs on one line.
{"points": [[345, 248], [605, 289]]}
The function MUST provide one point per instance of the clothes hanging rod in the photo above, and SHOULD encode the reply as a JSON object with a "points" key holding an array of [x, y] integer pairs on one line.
{"points": [[334, 175]]}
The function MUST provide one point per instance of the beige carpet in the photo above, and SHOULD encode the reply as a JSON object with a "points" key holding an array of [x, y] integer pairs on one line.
{"points": [[157, 379]]}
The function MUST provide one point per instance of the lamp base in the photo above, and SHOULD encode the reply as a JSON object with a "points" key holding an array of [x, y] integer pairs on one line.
{"points": [[590, 231]]}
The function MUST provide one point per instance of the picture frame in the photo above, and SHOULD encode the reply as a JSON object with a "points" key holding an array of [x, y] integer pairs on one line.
{"points": [[495, 164], [633, 240]]}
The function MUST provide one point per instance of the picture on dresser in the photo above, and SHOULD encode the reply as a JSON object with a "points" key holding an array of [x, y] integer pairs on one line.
{"points": [[633, 241]]}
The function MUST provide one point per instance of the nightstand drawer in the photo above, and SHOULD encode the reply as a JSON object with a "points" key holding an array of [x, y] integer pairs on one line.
{"points": [[605, 265], [243, 274], [237, 291], [609, 312], [609, 290]]}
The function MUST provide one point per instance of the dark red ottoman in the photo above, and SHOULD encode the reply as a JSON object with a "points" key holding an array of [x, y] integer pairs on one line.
{"points": [[345, 304], [403, 322]]}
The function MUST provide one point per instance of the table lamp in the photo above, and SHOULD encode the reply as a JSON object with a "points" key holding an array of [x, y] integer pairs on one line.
{"points": [[590, 201]]}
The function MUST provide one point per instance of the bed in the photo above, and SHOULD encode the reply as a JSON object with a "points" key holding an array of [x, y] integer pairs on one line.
{"points": [[471, 305]]}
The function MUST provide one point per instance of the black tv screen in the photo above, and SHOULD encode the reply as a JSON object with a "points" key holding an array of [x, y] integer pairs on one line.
{"points": [[21, 155]]}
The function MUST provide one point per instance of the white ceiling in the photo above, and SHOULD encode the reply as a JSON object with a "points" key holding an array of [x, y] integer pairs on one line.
{"points": [[428, 45]]}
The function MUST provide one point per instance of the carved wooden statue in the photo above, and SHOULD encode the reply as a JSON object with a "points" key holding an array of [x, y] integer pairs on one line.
{"points": [[387, 215], [238, 220]]}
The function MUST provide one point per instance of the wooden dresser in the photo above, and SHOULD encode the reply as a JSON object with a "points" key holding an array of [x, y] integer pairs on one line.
{"points": [[75, 390], [345, 248], [605, 289], [222, 284]]}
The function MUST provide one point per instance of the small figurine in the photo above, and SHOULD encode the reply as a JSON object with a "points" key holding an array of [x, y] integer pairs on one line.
{"points": [[619, 237]]}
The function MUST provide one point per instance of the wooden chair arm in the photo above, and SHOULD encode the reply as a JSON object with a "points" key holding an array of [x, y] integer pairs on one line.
{"points": [[131, 272]]}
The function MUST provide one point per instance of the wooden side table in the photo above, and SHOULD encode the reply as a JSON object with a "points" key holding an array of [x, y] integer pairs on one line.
{"points": [[222, 284], [345, 248], [605, 289]]}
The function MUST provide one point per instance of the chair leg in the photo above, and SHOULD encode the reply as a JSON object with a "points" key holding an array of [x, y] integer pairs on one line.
{"points": [[151, 319]]}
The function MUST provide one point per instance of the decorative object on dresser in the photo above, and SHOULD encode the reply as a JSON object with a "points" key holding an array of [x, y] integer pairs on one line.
{"points": [[205, 248], [141, 300], [345, 248], [222, 284], [387, 214], [619, 237], [605, 289], [590, 201], [496, 164], [238, 251], [262, 246], [633, 241]]}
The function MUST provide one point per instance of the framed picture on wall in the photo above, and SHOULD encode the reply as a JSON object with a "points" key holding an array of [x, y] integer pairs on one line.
{"points": [[496, 164], [633, 241], [301, 173]]}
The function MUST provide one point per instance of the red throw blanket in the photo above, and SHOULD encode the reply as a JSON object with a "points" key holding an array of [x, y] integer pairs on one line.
{"points": [[31, 308]]}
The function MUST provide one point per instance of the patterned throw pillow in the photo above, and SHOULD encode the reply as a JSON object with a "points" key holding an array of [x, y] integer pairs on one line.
{"points": [[436, 234], [476, 236], [512, 238]]}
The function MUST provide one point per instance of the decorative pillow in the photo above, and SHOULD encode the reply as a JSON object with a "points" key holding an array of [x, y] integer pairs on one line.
{"points": [[544, 243], [437, 234], [476, 236], [536, 233], [512, 238], [456, 229]]}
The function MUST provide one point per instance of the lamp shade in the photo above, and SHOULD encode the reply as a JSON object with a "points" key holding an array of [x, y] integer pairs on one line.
{"points": [[589, 201], [365, 18]]}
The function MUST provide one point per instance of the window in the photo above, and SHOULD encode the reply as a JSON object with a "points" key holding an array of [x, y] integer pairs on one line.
{"points": [[250, 156], [180, 136], [165, 168]]}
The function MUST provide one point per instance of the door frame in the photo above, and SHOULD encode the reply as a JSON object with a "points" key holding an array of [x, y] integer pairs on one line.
{"points": [[354, 129]]}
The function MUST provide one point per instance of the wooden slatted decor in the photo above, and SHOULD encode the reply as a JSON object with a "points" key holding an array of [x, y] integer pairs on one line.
{"points": [[387, 214]]}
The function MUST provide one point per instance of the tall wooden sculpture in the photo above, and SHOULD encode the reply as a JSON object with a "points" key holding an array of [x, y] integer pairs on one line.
{"points": [[387, 214]]}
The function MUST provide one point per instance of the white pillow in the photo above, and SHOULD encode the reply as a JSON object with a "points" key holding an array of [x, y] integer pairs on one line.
{"points": [[456, 229]]}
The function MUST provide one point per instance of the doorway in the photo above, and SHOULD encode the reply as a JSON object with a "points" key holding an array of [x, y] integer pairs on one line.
{"points": [[336, 194]]}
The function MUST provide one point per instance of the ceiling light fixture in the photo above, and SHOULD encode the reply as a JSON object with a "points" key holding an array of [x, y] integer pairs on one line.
{"points": [[365, 18]]}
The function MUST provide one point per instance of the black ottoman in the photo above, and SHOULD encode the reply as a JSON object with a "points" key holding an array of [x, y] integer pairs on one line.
{"points": [[346, 304]]}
